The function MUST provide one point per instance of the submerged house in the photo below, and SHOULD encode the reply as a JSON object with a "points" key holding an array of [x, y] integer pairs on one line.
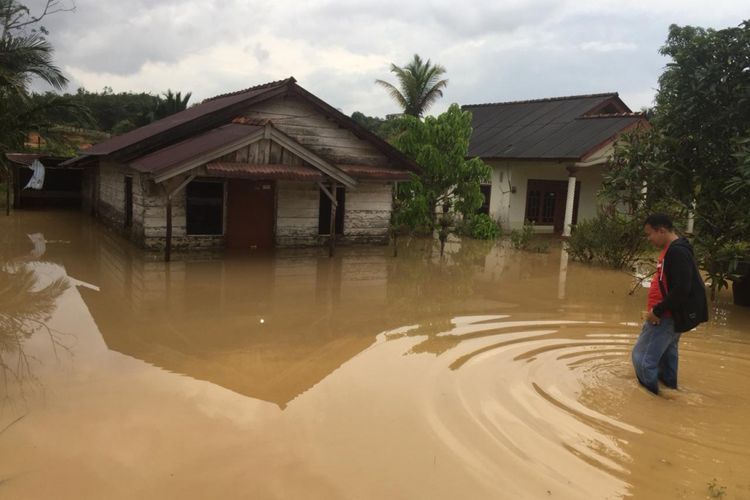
{"points": [[269, 166], [547, 156]]}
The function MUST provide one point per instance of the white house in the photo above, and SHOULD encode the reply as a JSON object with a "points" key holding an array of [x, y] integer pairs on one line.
{"points": [[548, 156]]}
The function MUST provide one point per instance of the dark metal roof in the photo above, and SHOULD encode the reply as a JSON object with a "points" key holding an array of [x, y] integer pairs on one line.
{"points": [[26, 159], [553, 128], [207, 107], [252, 171], [194, 147]]}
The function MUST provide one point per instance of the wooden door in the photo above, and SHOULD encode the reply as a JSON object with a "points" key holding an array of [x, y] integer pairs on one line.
{"points": [[250, 214], [546, 200]]}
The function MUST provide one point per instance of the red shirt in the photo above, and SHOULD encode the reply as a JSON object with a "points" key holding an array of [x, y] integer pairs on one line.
{"points": [[654, 292]]}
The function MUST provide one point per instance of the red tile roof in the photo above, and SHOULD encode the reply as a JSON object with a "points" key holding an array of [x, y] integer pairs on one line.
{"points": [[375, 172], [251, 171]]}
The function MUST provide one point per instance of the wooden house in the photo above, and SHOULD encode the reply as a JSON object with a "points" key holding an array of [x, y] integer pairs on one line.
{"points": [[269, 166]]}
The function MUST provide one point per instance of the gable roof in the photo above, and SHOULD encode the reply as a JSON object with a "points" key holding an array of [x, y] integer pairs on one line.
{"points": [[214, 140], [565, 128], [209, 146], [199, 117], [221, 110]]}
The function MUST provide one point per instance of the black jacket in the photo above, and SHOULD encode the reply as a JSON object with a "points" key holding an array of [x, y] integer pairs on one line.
{"points": [[685, 293]]}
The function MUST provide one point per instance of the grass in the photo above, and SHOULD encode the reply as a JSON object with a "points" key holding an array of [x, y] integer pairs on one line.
{"points": [[715, 490]]}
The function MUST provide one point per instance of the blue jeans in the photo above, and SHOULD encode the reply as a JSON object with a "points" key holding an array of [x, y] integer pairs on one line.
{"points": [[655, 355]]}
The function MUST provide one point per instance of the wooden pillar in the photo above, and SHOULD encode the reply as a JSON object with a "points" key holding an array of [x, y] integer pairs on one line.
{"points": [[332, 241], [168, 243], [691, 219], [172, 187], [8, 187], [570, 202], [93, 179]]}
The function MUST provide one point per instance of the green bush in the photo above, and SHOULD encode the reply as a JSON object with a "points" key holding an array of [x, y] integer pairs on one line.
{"points": [[481, 227], [520, 239], [610, 239]]}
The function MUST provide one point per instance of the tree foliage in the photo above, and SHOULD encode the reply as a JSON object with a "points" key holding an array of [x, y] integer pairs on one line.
{"points": [[115, 112], [697, 155], [25, 53], [171, 103], [386, 127], [448, 182], [419, 85], [703, 117]]}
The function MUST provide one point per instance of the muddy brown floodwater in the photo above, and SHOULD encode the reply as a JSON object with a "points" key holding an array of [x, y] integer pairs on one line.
{"points": [[489, 374]]}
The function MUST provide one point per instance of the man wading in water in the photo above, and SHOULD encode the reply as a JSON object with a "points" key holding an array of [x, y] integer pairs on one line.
{"points": [[676, 304]]}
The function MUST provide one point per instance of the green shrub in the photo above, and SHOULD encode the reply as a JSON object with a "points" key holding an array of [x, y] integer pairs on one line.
{"points": [[610, 239], [481, 227], [520, 239]]}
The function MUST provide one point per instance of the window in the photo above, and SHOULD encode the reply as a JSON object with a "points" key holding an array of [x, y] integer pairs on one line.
{"points": [[532, 205], [548, 207], [128, 202], [486, 193], [324, 213], [204, 206]]}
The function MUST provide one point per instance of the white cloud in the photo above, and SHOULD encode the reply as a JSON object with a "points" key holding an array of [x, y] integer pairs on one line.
{"points": [[493, 51]]}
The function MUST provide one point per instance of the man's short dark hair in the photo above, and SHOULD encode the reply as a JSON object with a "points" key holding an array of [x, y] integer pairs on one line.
{"points": [[658, 221]]}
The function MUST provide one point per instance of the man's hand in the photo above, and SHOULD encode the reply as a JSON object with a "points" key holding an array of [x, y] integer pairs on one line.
{"points": [[652, 318]]}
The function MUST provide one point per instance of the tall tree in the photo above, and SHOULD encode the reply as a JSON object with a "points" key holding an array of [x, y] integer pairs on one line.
{"points": [[419, 85], [703, 118], [25, 53], [448, 182], [24, 50]]}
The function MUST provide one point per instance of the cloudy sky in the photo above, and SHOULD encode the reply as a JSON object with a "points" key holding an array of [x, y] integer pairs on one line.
{"points": [[492, 50]]}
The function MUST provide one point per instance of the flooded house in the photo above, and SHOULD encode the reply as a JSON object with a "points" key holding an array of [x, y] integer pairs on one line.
{"points": [[268, 166], [547, 156]]}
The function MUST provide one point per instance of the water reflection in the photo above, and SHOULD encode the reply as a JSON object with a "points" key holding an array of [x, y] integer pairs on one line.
{"points": [[26, 304], [488, 373]]}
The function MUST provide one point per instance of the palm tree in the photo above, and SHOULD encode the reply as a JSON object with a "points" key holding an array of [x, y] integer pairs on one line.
{"points": [[419, 85], [24, 53], [171, 103]]}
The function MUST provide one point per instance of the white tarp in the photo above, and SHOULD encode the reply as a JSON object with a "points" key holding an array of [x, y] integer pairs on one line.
{"points": [[37, 178]]}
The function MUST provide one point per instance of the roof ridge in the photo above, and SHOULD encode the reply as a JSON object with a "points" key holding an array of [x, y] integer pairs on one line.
{"points": [[275, 83], [545, 99], [631, 114]]}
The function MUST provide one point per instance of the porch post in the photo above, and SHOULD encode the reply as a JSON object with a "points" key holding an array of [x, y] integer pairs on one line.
{"points": [[570, 202], [332, 241], [691, 219], [8, 187], [168, 244]]}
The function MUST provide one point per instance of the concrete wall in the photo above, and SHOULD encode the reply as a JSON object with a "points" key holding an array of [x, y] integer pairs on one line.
{"points": [[510, 208]]}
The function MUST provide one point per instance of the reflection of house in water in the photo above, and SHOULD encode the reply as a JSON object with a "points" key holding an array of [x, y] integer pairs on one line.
{"points": [[269, 328]]}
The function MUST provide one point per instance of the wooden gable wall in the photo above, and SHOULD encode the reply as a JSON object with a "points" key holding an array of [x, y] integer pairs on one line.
{"points": [[311, 128], [264, 152]]}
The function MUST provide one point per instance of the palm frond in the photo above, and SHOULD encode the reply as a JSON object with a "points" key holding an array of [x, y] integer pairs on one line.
{"points": [[419, 85]]}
